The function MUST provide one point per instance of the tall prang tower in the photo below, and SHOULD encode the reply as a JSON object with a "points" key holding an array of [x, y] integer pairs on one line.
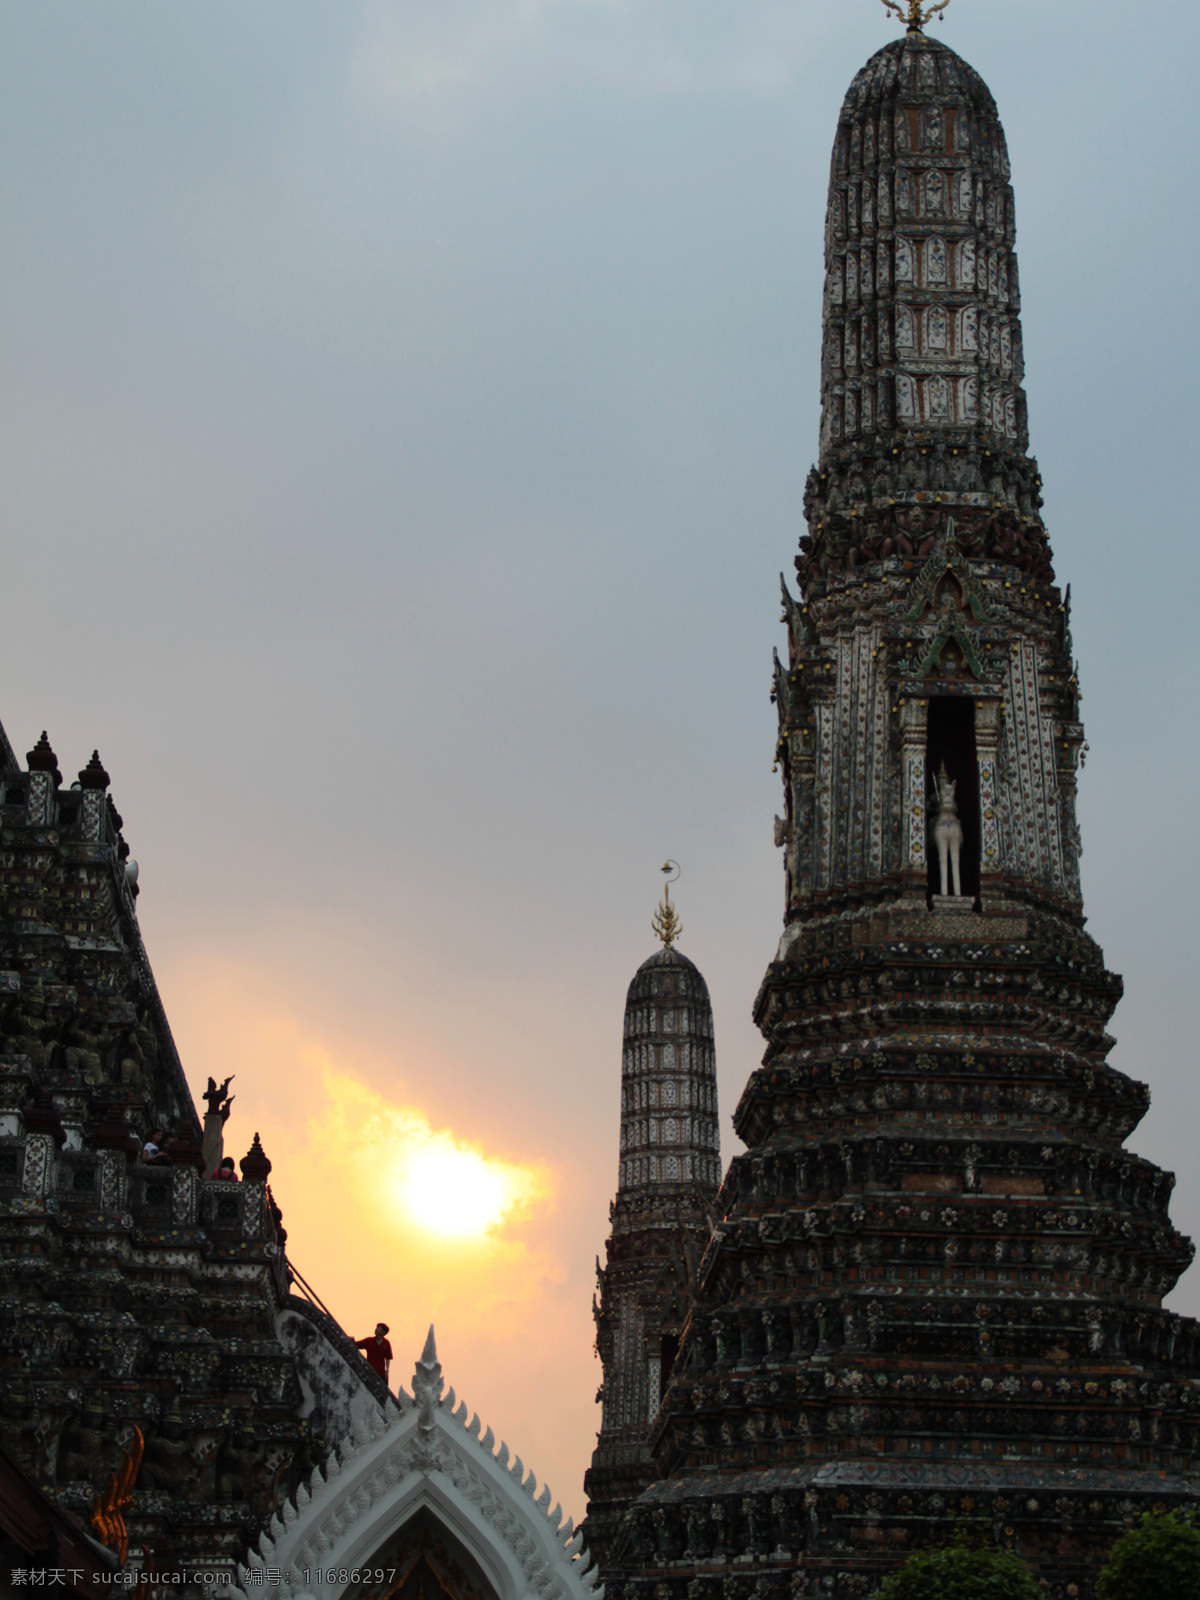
{"points": [[934, 1293], [159, 1382], [668, 1177]]}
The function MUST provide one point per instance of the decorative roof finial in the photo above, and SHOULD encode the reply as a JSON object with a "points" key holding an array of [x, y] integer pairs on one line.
{"points": [[42, 759], [914, 13], [256, 1168], [93, 776], [428, 1382], [666, 922]]}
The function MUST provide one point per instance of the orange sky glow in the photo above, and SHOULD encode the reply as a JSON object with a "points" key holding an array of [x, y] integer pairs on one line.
{"points": [[398, 1212]]}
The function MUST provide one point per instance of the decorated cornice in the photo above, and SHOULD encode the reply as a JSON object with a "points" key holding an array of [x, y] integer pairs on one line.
{"points": [[422, 1456]]}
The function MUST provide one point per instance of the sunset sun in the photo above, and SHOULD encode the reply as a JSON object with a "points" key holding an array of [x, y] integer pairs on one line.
{"points": [[454, 1191]]}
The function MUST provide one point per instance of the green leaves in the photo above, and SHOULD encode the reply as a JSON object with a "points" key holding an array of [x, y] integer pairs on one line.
{"points": [[1157, 1560], [959, 1572]]}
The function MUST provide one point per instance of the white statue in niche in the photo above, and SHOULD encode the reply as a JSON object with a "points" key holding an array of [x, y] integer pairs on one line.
{"points": [[947, 832]]}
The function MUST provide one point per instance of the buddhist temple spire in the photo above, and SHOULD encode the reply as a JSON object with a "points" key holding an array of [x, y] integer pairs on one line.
{"points": [[668, 1175], [923, 409], [935, 1287]]}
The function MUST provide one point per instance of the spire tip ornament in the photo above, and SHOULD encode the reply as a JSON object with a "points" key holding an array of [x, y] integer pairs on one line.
{"points": [[914, 14], [666, 924]]}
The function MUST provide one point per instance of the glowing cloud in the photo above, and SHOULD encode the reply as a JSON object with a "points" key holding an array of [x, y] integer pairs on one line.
{"points": [[427, 1178]]}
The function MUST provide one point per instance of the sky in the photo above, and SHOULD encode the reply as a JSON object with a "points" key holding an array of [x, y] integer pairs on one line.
{"points": [[405, 407]]}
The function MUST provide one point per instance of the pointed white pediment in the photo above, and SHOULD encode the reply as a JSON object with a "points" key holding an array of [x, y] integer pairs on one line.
{"points": [[421, 1464]]}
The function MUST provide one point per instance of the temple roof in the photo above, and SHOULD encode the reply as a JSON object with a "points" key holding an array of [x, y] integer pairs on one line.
{"points": [[899, 65]]}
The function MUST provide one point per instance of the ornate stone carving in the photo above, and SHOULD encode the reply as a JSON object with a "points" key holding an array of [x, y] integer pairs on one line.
{"points": [[134, 1317]]}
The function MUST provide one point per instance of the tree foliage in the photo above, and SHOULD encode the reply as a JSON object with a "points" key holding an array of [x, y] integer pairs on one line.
{"points": [[1159, 1559], [960, 1572]]}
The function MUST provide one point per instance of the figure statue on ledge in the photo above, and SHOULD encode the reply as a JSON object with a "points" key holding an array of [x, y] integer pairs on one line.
{"points": [[218, 1101], [947, 832]]}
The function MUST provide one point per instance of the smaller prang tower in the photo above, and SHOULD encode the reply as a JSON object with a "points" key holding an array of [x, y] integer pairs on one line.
{"points": [[669, 1174]]}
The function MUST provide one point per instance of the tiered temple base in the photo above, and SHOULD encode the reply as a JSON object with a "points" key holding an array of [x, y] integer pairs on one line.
{"points": [[936, 1296]]}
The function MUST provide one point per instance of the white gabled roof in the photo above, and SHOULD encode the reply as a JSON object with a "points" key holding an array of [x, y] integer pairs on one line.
{"points": [[423, 1456]]}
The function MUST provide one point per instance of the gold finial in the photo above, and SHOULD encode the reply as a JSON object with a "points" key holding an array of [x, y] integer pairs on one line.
{"points": [[914, 13], [666, 922]]}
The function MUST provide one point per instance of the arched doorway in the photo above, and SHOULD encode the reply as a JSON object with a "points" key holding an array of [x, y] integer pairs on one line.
{"points": [[424, 1561]]}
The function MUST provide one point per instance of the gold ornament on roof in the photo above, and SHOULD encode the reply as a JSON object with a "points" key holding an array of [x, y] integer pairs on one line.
{"points": [[666, 924], [914, 13]]}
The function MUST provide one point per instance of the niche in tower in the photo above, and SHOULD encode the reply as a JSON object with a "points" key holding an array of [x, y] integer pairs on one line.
{"points": [[951, 739]]}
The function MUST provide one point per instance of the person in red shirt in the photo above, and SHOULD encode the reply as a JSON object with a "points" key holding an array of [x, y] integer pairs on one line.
{"points": [[377, 1350]]}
